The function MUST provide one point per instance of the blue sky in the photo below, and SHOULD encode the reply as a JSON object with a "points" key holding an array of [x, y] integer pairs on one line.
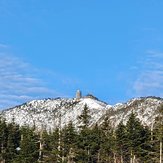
{"points": [[112, 49]]}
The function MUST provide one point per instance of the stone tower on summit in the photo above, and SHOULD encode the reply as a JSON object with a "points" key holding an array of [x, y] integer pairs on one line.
{"points": [[78, 94]]}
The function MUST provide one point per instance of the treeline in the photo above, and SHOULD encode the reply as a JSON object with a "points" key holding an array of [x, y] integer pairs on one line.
{"points": [[130, 143]]}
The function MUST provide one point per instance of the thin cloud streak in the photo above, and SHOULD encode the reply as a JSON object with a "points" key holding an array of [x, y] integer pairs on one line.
{"points": [[19, 82], [3, 45], [150, 78]]}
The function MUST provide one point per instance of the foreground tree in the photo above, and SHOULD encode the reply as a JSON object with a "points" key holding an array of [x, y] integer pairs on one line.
{"points": [[84, 118], [137, 137], [83, 152], [29, 149], [121, 142], [69, 138], [13, 142], [3, 140], [158, 134], [107, 146]]}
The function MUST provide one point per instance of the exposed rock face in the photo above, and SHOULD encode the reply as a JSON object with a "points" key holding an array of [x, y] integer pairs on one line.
{"points": [[49, 112]]}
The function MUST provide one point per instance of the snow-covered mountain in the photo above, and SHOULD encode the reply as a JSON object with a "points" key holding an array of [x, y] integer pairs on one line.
{"points": [[145, 108], [50, 113]]}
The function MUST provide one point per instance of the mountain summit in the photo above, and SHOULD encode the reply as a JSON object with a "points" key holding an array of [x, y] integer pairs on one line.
{"points": [[50, 113]]}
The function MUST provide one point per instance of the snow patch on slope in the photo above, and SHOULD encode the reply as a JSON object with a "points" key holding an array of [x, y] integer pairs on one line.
{"points": [[51, 113]]}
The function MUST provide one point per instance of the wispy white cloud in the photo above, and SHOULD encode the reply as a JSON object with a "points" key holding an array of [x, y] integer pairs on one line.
{"points": [[149, 81], [19, 82], [3, 45]]}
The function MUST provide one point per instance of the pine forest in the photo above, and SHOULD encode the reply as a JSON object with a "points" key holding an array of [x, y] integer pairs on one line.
{"points": [[102, 143]]}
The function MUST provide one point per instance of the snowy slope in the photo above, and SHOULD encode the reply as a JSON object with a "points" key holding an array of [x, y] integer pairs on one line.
{"points": [[145, 108], [49, 113]]}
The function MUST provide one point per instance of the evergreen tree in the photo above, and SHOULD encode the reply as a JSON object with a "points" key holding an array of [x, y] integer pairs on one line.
{"points": [[137, 137], [84, 118], [107, 146], [51, 143], [121, 142], [83, 152], [3, 140], [69, 136], [48, 143], [28, 150], [158, 136], [95, 144], [13, 140]]}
